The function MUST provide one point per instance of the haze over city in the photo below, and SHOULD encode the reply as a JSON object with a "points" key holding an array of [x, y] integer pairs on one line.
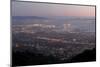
{"points": [[45, 33]]}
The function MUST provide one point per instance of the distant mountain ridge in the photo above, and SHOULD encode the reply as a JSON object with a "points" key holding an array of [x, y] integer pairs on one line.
{"points": [[54, 17], [28, 17]]}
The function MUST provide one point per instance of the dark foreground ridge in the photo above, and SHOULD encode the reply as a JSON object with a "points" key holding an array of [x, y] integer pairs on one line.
{"points": [[88, 55], [28, 58]]}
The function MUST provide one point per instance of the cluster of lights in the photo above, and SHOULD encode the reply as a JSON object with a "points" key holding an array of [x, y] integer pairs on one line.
{"points": [[44, 25]]}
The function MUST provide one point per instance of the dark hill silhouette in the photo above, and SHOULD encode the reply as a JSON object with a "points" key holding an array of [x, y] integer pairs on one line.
{"points": [[87, 55], [29, 58]]}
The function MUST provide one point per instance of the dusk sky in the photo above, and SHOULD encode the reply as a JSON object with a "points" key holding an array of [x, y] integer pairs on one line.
{"points": [[44, 9]]}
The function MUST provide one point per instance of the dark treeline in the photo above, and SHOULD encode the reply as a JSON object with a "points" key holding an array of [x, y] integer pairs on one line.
{"points": [[28, 58]]}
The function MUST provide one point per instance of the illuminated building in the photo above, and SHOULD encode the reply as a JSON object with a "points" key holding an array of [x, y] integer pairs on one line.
{"points": [[67, 27]]}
